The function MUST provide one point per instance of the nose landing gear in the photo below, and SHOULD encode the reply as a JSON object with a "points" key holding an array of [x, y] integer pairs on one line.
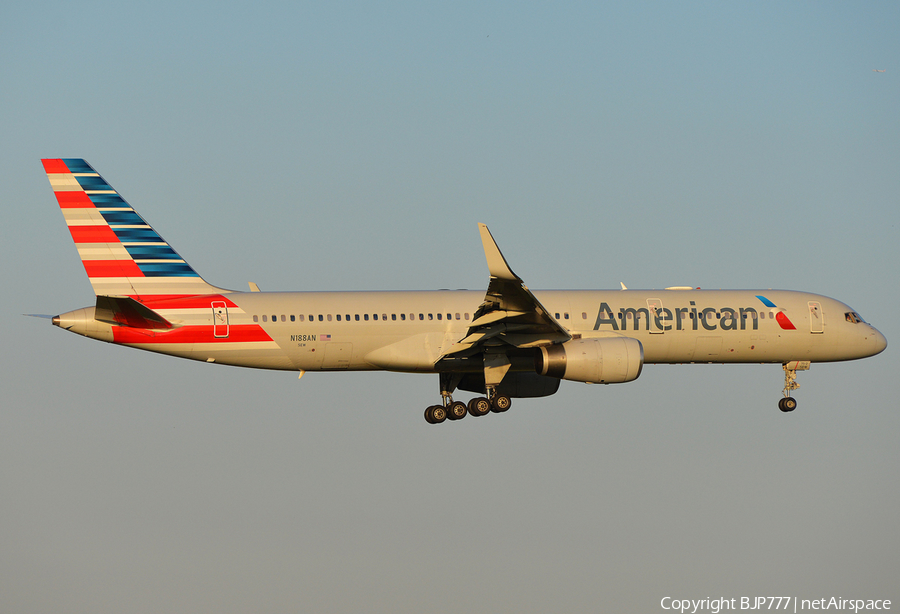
{"points": [[789, 403]]}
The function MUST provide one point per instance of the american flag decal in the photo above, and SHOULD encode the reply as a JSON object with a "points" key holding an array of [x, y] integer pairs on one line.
{"points": [[325, 337]]}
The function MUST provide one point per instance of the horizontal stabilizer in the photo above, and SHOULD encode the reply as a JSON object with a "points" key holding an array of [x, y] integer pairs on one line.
{"points": [[126, 311]]}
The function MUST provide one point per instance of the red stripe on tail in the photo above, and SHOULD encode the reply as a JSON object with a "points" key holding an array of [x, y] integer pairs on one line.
{"points": [[112, 268], [73, 200], [93, 234], [55, 166]]}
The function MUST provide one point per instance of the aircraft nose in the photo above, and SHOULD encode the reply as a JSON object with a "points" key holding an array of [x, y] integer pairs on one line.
{"points": [[880, 341]]}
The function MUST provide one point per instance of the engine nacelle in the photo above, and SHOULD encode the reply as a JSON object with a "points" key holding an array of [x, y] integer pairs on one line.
{"points": [[610, 360]]}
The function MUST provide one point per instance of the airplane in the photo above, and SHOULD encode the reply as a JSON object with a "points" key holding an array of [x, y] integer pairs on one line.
{"points": [[502, 343]]}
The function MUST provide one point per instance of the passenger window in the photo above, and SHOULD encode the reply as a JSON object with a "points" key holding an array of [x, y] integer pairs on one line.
{"points": [[439, 316], [556, 315], [565, 316], [256, 318], [403, 316], [347, 317], [374, 316], [394, 317], [329, 317], [366, 317], [421, 316], [274, 318], [265, 318], [467, 316], [338, 316], [384, 317], [584, 315], [356, 317], [430, 316], [293, 317], [457, 316], [321, 318]]}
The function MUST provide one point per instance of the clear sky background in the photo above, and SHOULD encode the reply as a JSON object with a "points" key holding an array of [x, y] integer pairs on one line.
{"points": [[345, 145]]}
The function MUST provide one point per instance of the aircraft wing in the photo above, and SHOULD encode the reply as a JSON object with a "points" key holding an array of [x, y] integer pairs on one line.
{"points": [[510, 315]]}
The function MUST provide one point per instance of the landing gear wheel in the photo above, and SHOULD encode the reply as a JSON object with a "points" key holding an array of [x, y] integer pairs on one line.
{"points": [[456, 410], [435, 414], [501, 403], [479, 406], [787, 404]]}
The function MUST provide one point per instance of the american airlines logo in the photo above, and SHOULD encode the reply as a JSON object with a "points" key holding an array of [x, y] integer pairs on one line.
{"points": [[688, 318]]}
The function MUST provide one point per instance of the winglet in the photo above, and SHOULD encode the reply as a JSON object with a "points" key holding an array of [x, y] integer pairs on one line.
{"points": [[497, 264]]}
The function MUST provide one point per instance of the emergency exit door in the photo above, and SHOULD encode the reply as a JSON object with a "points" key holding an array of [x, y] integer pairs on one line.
{"points": [[220, 319]]}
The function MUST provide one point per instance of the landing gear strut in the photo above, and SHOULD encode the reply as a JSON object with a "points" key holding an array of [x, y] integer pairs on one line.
{"points": [[457, 410], [789, 403]]}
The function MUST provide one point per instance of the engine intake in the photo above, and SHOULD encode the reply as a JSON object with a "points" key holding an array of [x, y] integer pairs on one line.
{"points": [[610, 360]]}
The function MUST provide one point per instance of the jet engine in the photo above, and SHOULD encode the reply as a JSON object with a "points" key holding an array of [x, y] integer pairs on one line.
{"points": [[610, 360]]}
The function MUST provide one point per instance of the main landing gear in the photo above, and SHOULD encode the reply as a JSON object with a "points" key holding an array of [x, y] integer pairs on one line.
{"points": [[789, 403], [457, 410]]}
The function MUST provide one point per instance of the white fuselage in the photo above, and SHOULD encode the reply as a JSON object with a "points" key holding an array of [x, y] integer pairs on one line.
{"points": [[410, 331]]}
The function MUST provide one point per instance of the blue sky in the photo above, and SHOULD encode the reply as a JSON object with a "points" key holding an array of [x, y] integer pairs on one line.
{"points": [[355, 146]]}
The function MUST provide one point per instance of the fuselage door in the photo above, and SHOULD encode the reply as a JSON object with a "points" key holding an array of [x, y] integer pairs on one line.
{"points": [[220, 319], [657, 322], [816, 317], [337, 355]]}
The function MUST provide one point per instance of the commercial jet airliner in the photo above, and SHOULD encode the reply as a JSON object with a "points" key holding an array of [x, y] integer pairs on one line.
{"points": [[503, 343]]}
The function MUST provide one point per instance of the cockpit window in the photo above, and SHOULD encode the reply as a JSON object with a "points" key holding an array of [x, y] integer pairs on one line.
{"points": [[852, 316]]}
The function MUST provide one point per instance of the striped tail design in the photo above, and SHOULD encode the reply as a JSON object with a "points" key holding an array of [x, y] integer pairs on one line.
{"points": [[121, 253]]}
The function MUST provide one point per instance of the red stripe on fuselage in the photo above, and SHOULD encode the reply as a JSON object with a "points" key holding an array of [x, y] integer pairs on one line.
{"points": [[243, 333], [112, 268], [73, 200], [181, 301], [93, 234]]}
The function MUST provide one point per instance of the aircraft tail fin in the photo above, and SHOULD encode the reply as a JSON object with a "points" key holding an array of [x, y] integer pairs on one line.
{"points": [[122, 255]]}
